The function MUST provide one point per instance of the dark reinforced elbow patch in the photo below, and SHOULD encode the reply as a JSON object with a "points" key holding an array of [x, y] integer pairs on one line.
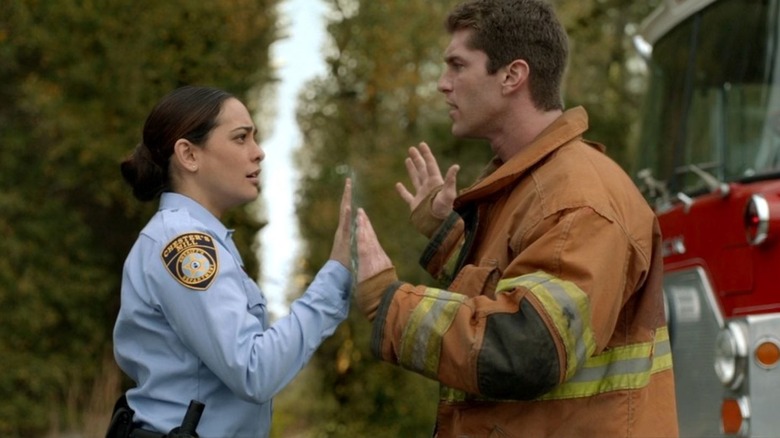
{"points": [[518, 359]]}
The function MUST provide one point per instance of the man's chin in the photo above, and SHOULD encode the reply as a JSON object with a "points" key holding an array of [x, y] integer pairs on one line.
{"points": [[456, 130], [460, 131]]}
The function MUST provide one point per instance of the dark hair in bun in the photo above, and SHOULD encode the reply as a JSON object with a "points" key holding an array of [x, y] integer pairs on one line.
{"points": [[187, 112]]}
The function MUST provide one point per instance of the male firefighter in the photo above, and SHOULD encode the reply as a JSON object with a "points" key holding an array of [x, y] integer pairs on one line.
{"points": [[552, 322]]}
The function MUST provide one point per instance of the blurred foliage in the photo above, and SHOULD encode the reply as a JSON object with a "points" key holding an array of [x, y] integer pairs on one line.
{"points": [[600, 76], [77, 78], [379, 97]]}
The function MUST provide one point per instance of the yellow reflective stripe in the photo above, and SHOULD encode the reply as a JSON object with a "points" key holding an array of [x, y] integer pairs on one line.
{"points": [[451, 264], [568, 307], [452, 395], [620, 368], [420, 347], [662, 355]]}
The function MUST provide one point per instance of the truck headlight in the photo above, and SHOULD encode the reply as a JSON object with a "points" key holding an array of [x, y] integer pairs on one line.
{"points": [[731, 355]]}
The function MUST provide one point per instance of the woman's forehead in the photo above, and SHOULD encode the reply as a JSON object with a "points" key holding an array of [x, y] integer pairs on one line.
{"points": [[234, 113]]}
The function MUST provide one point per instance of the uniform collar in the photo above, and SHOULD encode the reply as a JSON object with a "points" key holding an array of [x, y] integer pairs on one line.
{"points": [[569, 126], [175, 201]]}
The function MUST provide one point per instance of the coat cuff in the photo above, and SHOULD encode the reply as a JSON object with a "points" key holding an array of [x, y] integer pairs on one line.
{"points": [[370, 291], [423, 218]]}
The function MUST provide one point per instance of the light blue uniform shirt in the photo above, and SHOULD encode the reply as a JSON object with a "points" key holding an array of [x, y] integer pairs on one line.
{"points": [[194, 325]]}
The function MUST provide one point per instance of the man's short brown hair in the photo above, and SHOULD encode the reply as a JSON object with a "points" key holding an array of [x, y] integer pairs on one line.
{"points": [[507, 30]]}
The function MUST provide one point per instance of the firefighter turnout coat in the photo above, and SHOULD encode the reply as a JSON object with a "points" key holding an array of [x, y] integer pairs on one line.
{"points": [[552, 323]]}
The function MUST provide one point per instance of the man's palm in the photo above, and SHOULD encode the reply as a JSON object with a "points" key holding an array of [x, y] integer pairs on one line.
{"points": [[424, 172]]}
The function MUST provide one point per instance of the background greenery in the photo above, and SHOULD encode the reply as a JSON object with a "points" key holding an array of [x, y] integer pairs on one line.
{"points": [[77, 78]]}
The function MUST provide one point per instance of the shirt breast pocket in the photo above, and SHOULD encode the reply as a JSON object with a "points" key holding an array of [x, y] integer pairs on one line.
{"points": [[256, 302]]}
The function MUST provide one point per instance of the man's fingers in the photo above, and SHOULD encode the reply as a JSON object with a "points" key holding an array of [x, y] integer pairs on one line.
{"points": [[451, 178], [413, 172], [368, 243], [405, 194], [372, 258], [431, 165], [416, 162], [442, 204], [365, 230]]}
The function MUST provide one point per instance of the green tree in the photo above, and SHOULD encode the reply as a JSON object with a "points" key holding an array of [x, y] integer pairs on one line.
{"points": [[599, 74], [77, 79]]}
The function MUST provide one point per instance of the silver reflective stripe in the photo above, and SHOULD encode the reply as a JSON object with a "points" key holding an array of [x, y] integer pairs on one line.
{"points": [[421, 340], [621, 368]]}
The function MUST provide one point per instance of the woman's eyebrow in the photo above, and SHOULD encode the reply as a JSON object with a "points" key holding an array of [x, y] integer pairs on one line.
{"points": [[245, 128]]}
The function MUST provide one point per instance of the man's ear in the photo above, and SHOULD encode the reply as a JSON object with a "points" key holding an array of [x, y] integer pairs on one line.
{"points": [[515, 75], [186, 155]]}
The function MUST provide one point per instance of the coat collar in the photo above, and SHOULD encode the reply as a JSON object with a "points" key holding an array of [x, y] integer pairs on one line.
{"points": [[569, 126]]}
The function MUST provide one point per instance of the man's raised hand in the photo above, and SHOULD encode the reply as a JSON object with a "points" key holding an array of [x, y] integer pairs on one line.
{"points": [[425, 175]]}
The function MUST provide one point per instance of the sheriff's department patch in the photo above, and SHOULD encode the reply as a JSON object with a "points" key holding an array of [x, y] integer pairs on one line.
{"points": [[192, 260]]}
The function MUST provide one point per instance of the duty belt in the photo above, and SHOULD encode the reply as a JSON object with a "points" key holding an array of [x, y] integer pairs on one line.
{"points": [[121, 425]]}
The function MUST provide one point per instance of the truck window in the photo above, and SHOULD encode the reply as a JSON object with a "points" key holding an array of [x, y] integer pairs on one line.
{"points": [[714, 97]]}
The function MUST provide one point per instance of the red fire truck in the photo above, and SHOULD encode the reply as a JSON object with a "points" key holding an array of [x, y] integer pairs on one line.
{"points": [[709, 163]]}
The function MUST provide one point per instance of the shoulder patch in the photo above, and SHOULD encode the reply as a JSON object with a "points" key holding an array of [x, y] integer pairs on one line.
{"points": [[192, 260]]}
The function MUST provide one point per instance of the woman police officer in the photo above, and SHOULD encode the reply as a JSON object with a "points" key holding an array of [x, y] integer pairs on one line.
{"points": [[192, 324]]}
